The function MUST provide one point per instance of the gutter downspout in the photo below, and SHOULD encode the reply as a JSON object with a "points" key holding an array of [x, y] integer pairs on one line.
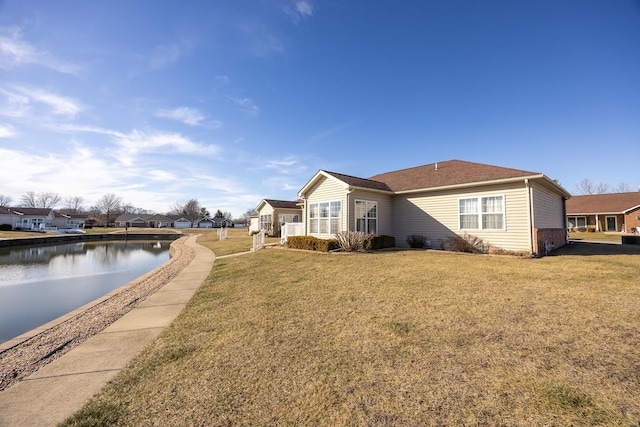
{"points": [[530, 206]]}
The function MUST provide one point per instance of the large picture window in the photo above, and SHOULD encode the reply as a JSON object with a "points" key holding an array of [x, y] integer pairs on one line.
{"points": [[577, 222], [325, 217], [265, 222], [367, 216], [482, 213]]}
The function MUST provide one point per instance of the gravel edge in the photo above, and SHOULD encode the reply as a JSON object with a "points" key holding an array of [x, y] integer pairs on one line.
{"points": [[25, 358]]}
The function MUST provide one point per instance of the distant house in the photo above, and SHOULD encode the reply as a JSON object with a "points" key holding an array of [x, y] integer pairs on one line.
{"points": [[204, 223], [180, 221], [32, 219], [507, 208], [604, 212], [143, 221], [223, 223], [271, 214]]}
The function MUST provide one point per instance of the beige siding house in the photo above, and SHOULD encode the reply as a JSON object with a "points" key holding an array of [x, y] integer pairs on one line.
{"points": [[271, 214], [507, 208]]}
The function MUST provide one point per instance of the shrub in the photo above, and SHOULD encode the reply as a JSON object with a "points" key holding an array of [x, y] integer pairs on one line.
{"points": [[5, 227], [353, 241], [591, 230], [382, 242], [311, 243], [467, 243], [417, 241]]}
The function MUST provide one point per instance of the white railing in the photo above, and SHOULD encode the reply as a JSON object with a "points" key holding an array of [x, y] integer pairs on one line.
{"points": [[222, 233], [291, 229], [258, 240]]}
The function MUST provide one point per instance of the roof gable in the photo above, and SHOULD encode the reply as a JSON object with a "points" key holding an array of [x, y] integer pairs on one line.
{"points": [[603, 203]]}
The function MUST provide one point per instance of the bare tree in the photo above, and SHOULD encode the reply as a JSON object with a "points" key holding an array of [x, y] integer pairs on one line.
{"points": [[586, 187], [47, 200], [190, 209], [108, 207], [5, 200], [622, 188], [73, 204]]}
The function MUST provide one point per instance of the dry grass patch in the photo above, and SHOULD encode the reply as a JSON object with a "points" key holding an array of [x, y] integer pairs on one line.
{"points": [[238, 240], [395, 338]]}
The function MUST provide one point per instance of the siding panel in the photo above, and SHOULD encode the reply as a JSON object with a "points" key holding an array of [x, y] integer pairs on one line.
{"points": [[548, 208], [435, 215]]}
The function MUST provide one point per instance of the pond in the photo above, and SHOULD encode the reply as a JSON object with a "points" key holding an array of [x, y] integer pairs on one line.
{"points": [[41, 283]]}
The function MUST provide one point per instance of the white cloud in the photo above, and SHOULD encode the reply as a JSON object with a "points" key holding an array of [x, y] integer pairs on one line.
{"points": [[6, 131], [185, 115], [299, 9], [223, 79], [136, 142], [14, 52], [161, 176], [19, 100], [247, 105]]}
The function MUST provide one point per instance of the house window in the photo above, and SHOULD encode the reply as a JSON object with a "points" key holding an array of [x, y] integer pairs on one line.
{"points": [[325, 217], [367, 216], [265, 222], [284, 218], [577, 222], [482, 213]]}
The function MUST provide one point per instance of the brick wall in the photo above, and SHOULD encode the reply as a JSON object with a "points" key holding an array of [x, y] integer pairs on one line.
{"points": [[557, 237]]}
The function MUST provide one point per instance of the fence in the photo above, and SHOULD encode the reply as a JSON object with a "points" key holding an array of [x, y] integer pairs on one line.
{"points": [[291, 229], [222, 233], [258, 240]]}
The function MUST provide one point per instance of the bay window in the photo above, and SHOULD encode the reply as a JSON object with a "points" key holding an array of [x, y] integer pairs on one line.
{"points": [[325, 217]]}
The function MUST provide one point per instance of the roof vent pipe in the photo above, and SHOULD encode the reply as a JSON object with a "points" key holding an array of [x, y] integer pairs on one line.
{"points": [[436, 166]]}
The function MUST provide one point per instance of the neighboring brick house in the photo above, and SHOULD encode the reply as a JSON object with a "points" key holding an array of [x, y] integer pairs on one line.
{"points": [[604, 212], [507, 208]]}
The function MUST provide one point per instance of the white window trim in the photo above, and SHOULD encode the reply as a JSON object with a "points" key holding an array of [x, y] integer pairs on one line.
{"points": [[479, 198], [355, 214], [328, 219]]}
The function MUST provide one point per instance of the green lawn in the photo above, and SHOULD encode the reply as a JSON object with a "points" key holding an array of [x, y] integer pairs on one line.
{"points": [[280, 337]]}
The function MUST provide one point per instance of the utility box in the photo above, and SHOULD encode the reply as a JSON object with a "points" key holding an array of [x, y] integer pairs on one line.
{"points": [[631, 240]]}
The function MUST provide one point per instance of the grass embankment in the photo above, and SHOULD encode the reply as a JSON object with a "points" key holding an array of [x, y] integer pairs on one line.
{"points": [[396, 338]]}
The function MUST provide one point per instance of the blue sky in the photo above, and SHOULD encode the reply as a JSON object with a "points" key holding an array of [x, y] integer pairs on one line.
{"points": [[230, 102]]}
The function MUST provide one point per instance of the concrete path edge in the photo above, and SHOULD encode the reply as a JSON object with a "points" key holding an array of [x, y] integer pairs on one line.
{"points": [[57, 390]]}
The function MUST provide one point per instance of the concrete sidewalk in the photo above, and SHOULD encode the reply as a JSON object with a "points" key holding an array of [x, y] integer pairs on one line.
{"points": [[60, 388]]}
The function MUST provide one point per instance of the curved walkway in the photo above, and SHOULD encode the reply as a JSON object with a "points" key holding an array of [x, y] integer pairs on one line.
{"points": [[60, 388]]}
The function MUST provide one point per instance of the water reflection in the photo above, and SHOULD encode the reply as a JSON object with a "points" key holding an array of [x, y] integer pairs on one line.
{"points": [[40, 283]]}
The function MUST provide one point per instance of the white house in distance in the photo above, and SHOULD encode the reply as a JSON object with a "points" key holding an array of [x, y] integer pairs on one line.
{"points": [[271, 214], [39, 219], [508, 208]]}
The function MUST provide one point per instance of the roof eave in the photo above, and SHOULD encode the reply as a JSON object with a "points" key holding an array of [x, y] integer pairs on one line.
{"points": [[561, 190]]}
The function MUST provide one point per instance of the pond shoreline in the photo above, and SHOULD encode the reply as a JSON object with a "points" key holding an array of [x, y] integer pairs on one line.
{"points": [[25, 354], [70, 238]]}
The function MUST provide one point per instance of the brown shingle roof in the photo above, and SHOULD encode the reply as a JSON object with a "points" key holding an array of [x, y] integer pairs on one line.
{"points": [[603, 203], [282, 204], [451, 172], [360, 182]]}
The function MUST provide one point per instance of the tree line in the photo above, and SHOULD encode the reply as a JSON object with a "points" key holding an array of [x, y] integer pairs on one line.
{"points": [[587, 187], [110, 206]]}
